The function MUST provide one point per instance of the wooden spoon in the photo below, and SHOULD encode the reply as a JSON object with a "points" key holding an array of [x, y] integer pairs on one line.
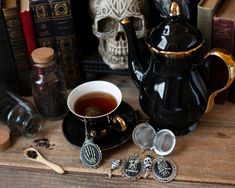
{"points": [[33, 155]]}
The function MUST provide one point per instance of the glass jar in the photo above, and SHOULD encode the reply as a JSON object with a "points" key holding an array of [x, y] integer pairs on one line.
{"points": [[20, 115], [48, 84]]}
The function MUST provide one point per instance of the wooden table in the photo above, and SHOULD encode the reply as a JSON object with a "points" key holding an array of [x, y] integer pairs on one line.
{"points": [[205, 157]]}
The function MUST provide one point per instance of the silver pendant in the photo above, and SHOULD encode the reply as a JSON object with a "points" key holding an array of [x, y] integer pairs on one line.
{"points": [[90, 153], [132, 168], [164, 169]]}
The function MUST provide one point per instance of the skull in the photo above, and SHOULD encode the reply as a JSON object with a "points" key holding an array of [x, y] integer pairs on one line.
{"points": [[147, 162], [106, 14]]}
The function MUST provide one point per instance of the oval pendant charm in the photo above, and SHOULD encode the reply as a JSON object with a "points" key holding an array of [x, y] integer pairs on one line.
{"points": [[132, 168], [90, 154], [164, 169]]}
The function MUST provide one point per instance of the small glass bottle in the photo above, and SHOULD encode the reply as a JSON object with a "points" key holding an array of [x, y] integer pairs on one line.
{"points": [[19, 114], [48, 84]]}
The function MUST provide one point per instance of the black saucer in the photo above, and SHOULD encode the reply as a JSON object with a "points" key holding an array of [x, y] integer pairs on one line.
{"points": [[73, 129]]}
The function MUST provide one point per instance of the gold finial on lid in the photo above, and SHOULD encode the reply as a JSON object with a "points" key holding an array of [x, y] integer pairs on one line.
{"points": [[174, 9], [43, 55]]}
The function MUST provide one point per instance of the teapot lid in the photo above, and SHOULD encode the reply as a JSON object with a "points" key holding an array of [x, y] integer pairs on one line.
{"points": [[174, 35]]}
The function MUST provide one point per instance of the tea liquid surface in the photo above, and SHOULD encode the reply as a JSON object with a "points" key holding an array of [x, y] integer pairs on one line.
{"points": [[95, 104]]}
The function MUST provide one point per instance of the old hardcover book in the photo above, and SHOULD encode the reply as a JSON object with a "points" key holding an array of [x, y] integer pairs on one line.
{"points": [[8, 74], [65, 40], [55, 28], [11, 3], [223, 37], [16, 36], [28, 27], [41, 12], [205, 13]]}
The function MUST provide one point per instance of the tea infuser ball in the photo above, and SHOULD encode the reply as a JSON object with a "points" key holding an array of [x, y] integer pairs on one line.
{"points": [[164, 142], [143, 135], [164, 169]]}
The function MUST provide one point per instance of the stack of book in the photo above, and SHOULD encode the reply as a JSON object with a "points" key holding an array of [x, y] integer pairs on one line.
{"points": [[216, 20], [55, 28], [27, 25], [8, 72], [223, 37], [17, 49]]}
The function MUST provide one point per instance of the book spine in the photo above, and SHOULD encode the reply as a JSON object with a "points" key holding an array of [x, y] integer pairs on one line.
{"points": [[223, 37], [8, 73], [17, 41], [29, 31], [43, 24], [65, 40], [205, 20]]}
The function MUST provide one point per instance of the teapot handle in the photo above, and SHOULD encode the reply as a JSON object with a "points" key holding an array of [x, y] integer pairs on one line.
{"points": [[227, 58]]}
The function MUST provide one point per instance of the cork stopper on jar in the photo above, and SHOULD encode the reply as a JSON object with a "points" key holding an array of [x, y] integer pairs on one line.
{"points": [[4, 138], [43, 55]]}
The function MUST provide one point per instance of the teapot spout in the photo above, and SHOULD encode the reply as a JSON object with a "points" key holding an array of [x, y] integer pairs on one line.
{"points": [[134, 62]]}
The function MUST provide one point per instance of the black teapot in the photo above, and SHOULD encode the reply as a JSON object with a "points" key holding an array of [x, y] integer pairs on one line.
{"points": [[174, 89]]}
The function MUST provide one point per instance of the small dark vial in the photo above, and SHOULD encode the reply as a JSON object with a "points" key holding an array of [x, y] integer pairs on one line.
{"points": [[32, 154]]}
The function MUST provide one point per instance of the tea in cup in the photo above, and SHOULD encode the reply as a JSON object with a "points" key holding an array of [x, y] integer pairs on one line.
{"points": [[96, 102]]}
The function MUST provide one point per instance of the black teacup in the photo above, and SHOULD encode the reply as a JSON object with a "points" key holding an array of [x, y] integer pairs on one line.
{"points": [[96, 102]]}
